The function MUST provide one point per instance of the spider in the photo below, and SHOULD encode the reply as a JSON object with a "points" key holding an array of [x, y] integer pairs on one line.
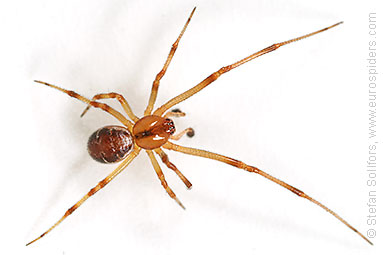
{"points": [[155, 129]]}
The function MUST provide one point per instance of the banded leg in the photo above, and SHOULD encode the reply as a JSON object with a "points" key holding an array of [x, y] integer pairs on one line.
{"points": [[214, 76], [95, 104], [156, 82], [165, 159], [161, 176], [241, 165], [121, 99], [91, 192]]}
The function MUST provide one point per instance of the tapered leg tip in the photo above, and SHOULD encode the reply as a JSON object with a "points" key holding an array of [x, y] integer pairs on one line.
{"points": [[179, 202]]}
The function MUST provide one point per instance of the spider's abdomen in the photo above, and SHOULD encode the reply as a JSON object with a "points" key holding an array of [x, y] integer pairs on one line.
{"points": [[151, 132], [110, 144]]}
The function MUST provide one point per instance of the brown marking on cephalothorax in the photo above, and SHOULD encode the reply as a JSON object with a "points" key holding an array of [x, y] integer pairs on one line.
{"points": [[153, 131]]}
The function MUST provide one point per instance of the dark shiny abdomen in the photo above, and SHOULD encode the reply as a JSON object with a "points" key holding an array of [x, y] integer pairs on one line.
{"points": [[110, 144]]}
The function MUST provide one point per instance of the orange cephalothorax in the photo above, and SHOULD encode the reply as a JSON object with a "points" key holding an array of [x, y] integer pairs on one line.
{"points": [[153, 131]]}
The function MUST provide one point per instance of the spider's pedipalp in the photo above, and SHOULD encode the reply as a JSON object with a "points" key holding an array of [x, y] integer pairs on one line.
{"points": [[188, 131], [241, 165], [174, 113]]}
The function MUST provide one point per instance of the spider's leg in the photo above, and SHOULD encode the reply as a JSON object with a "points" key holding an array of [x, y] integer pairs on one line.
{"points": [[121, 99], [102, 106], [156, 82], [91, 192], [165, 159], [161, 176], [214, 76], [241, 165], [188, 131]]}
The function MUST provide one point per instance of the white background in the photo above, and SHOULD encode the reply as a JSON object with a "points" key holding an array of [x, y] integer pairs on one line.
{"points": [[299, 113]]}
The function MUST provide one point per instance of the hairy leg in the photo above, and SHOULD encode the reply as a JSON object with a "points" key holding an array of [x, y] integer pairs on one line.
{"points": [[214, 76], [241, 165], [165, 159], [102, 106], [121, 99], [91, 192], [156, 82], [161, 176]]}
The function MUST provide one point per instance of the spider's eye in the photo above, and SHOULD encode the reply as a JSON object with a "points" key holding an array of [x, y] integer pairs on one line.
{"points": [[169, 126]]}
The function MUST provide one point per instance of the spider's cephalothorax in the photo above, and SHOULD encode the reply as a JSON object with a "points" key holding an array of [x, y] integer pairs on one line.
{"points": [[153, 131], [110, 144]]}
